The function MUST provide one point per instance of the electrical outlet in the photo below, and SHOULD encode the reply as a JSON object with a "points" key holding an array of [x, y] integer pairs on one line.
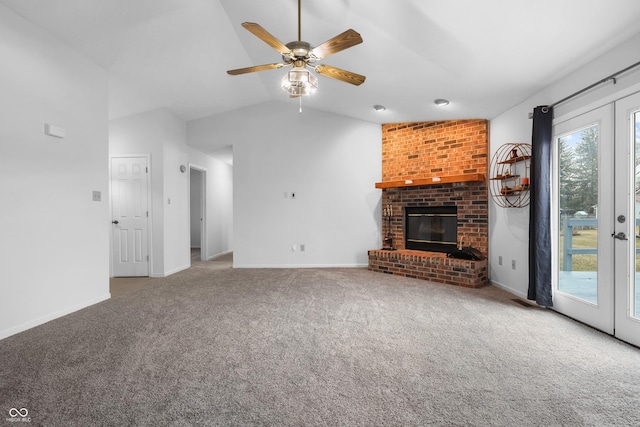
{"points": [[97, 196], [513, 264], [302, 247], [500, 260]]}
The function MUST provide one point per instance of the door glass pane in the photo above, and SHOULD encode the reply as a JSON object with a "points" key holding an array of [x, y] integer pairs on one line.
{"points": [[635, 289], [578, 203]]}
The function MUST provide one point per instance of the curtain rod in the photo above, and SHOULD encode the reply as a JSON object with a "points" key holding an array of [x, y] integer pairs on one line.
{"points": [[606, 79]]}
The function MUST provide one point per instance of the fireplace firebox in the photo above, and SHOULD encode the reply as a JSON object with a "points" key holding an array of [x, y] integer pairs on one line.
{"points": [[431, 228]]}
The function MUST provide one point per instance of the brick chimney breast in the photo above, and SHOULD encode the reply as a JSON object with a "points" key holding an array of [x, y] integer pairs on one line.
{"points": [[428, 150]]}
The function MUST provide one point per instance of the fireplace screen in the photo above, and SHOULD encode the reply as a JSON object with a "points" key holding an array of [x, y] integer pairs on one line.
{"points": [[431, 228]]}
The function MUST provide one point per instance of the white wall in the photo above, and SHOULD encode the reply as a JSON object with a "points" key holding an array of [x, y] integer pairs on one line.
{"points": [[331, 163], [509, 228], [177, 247], [54, 248], [162, 135]]}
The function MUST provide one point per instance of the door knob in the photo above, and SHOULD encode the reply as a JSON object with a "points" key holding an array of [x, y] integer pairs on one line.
{"points": [[114, 221]]}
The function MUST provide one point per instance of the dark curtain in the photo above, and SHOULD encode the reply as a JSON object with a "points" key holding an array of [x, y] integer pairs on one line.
{"points": [[540, 208]]}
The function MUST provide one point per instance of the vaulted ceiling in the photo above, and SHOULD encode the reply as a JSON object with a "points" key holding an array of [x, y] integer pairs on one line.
{"points": [[483, 55]]}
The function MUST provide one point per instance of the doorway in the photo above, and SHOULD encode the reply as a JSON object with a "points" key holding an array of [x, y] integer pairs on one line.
{"points": [[596, 218], [197, 212]]}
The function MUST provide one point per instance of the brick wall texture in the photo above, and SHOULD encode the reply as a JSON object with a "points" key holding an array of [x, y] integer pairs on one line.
{"points": [[439, 148], [471, 199], [427, 150]]}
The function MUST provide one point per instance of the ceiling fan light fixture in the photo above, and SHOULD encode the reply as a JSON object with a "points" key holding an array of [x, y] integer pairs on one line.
{"points": [[300, 55], [441, 102], [299, 82]]}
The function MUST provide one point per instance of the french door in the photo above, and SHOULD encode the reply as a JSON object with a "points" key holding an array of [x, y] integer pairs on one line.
{"points": [[627, 252], [596, 218]]}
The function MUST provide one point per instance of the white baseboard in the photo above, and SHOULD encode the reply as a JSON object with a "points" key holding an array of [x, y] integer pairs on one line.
{"points": [[170, 272], [508, 289], [51, 316], [212, 257], [301, 266]]}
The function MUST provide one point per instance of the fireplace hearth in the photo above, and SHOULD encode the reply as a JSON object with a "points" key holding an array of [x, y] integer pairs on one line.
{"points": [[469, 203]]}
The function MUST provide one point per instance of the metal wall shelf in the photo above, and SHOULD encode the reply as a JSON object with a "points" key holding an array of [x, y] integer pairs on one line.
{"points": [[509, 180]]}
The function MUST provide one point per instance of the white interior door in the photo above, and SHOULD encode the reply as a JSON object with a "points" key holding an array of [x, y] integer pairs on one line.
{"points": [[583, 285], [627, 221], [130, 216]]}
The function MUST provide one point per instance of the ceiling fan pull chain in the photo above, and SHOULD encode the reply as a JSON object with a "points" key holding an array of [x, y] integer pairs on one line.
{"points": [[299, 22]]}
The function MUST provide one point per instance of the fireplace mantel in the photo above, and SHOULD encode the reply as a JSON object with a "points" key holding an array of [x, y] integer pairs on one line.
{"points": [[470, 177]]}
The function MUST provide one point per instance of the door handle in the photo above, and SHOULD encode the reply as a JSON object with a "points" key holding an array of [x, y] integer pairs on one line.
{"points": [[115, 221], [619, 236]]}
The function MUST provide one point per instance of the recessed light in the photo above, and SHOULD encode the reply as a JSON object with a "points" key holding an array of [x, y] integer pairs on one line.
{"points": [[441, 102], [379, 107]]}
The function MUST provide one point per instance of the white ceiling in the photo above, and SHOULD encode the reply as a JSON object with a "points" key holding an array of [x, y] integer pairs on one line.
{"points": [[483, 55]]}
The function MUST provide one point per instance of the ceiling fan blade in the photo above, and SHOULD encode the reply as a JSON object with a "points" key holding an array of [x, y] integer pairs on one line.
{"points": [[340, 42], [254, 69], [266, 37], [342, 75]]}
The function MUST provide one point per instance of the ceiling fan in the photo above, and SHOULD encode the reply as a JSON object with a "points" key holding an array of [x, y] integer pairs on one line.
{"points": [[300, 55]]}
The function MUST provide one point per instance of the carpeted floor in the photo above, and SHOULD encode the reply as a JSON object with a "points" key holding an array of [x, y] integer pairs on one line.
{"points": [[317, 347], [122, 285]]}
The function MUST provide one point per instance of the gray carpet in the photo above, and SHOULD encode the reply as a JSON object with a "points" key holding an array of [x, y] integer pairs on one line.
{"points": [[317, 347]]}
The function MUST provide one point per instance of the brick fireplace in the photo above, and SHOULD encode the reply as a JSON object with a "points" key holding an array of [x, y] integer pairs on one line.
{"points": [[428, 164]]}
